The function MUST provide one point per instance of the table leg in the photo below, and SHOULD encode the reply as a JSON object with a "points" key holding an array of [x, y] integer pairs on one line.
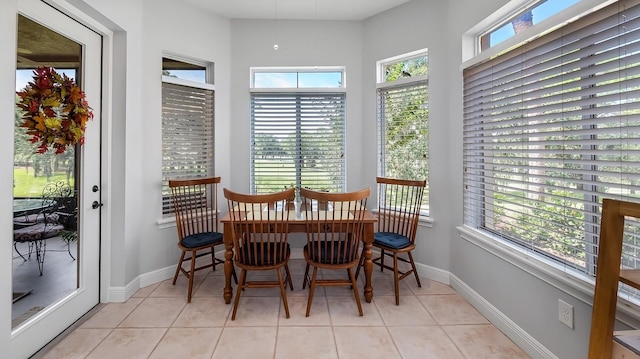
{"points": [[368, 263], [228, 262]]}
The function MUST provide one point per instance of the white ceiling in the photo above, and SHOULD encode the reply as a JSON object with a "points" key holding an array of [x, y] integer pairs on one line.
{"points": [[297, 9]]}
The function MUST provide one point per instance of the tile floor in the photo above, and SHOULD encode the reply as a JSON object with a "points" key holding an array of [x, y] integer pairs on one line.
{"points": [[430, 322]]}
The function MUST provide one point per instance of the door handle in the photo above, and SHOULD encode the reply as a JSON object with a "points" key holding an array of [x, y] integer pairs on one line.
{"points": [[96, 204]]}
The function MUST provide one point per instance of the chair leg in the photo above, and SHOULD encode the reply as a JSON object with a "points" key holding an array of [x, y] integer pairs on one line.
{"points": [[243, 277], [192, 272], [360, 263], [15, 246], [306, 277], [415, 272], [288, 277], [40, 248], [354, 285], [69, 250], [382, 255], [175, 276], [233, 272], [312, 288], [283, 293], [396, 280], [30, 247], [213, 259]]}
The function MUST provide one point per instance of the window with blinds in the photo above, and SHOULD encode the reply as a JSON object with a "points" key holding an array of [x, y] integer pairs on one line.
{"points": [[550, 129], [297, 139], [403, 113], [187, 134]]}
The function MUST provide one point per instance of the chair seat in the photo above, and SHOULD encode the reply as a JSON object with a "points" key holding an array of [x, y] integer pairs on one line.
{"points": [[30, 219], [391, 240], [37, 232], [323, 254], [256, 255], [201, 239]]}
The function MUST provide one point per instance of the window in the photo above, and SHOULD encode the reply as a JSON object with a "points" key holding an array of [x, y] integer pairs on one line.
{"points": [[187, 126], [301, 78], [403, 114], [534, 14], [297, 135], [550, 129]]}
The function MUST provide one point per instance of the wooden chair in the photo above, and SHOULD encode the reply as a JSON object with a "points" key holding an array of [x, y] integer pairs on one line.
{"points": [[195, 203], [260, 232], [398, 212], [334, 231]]}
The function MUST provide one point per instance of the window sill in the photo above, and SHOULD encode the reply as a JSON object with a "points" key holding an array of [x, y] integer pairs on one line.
{"points": [[166, 222], [562, 278], [425, 221]]}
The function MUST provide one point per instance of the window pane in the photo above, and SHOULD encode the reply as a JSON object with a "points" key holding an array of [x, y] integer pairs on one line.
{"points": [[534, 15], [183, 70], [320, 79], [264, 80], [298, 139], [292, 79], [405, 68]]}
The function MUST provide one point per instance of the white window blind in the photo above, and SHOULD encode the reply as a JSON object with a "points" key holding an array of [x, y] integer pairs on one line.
{"points": [[403, 132], [187, 136], [550, 129], [297, 139]]}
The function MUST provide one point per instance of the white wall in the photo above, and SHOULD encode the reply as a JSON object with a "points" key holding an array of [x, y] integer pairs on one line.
{"points": [[414, 26]]}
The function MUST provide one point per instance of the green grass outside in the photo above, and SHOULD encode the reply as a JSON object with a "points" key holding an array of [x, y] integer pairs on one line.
{"points": [[277, 181], [26, 185]]}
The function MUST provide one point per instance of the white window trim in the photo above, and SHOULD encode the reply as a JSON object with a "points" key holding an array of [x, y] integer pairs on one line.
{"points": [[183, 82], [209, 65], [299, 90], [165, 221], [471, 54], [402, 81]]}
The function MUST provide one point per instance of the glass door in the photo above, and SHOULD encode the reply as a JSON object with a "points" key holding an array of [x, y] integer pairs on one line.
{"points": [[56, 176]]}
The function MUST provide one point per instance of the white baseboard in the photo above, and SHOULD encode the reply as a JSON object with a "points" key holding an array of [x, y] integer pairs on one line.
{"points": [[525, 341], [122, 294], [437, 274]]}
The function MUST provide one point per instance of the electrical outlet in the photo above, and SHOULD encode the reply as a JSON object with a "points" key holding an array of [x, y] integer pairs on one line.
{"points": [[565, 313]]}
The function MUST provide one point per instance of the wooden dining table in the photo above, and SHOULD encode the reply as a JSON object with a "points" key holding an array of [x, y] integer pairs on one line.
{"points": [[297, 224]]}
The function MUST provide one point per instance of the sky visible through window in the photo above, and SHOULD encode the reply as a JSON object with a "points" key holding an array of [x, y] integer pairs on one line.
{"points": [[541, 12], [190, 75], [320, 79]]}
